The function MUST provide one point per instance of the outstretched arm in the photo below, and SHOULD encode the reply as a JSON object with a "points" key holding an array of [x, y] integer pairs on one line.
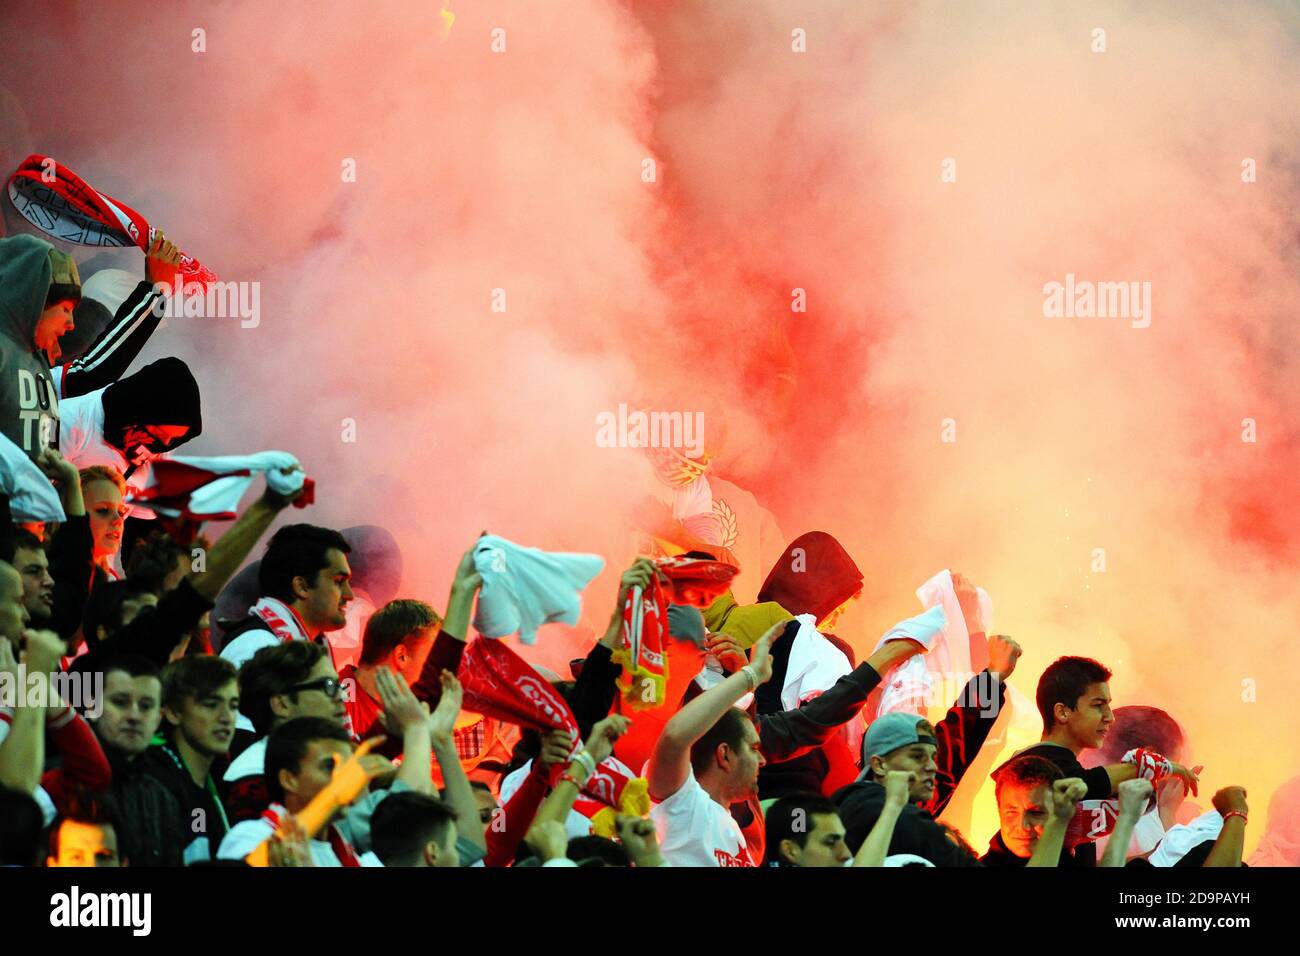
{"points": [[670, 761], [112, 353]]}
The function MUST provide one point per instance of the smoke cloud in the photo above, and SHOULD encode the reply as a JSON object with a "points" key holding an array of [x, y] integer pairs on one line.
{"points": [[919, 173]]}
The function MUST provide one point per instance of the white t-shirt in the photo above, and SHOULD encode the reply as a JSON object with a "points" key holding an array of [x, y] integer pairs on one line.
{"points": [[696, 830]]}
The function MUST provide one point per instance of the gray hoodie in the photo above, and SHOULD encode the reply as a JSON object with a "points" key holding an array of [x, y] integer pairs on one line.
{"points": [[29, 408]]}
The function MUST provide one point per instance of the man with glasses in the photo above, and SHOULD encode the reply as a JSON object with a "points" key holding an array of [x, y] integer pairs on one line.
{"points": [[279, 683]]}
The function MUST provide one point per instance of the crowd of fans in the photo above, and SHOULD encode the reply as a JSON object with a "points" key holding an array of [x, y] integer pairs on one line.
{"points": [[136, 731]]}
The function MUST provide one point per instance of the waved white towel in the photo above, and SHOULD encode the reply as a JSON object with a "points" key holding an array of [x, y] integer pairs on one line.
{"points": [[31, 496], [524, 588], [815, 664], [909, 686]]}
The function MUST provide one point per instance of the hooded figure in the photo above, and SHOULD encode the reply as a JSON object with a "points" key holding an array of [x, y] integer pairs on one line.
{"points": [[813, 576], [120, 425], [33, 277]]}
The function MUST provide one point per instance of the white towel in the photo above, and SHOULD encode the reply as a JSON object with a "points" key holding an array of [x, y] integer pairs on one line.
{"points": [[910, 685], [952, 654], [1183, 837], [814, 665], [31, 496], [524, 588]]}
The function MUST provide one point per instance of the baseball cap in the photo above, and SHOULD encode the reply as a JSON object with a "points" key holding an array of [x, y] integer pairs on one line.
{"points": [[892, 731]]}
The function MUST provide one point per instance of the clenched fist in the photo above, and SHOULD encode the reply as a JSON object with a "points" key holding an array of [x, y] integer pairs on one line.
{"points": [[1003, 654]]}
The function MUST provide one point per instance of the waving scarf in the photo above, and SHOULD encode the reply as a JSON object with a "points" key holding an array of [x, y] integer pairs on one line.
{"points": [[61, 204], [498, 683]]}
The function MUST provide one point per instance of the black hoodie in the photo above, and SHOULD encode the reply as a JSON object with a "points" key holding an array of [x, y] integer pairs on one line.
{"points": [[162, 393]]}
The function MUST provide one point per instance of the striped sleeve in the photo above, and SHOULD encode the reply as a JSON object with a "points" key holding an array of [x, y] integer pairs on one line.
{"points": [[112, 353]]}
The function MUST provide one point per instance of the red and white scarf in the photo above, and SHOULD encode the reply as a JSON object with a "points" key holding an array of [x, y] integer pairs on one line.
{"points": [[275, 815], [61, 204], [498, 683]]}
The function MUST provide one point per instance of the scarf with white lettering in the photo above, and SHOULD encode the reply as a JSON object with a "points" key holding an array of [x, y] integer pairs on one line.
{"points": [[61, 204]]}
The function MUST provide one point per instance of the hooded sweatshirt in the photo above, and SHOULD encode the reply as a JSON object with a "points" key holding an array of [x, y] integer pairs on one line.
{"points": [[814, 575], [95, 424], [29, 409]]}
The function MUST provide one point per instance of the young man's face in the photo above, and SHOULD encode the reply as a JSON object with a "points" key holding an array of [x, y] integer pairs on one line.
{"points": [[825, 845], [85, 844], [208, 723], [14, 615], [38, 586], [54, 322], [323, 605], [1091, 717], [1022, 814], [312, 701], [314, 772], [106, 513], [742, 778], [131, 712], [918, 759]]}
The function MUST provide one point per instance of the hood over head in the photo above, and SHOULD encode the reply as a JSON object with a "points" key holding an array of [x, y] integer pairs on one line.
{"points": [[814, 575], [30, 269], [162, 393]]}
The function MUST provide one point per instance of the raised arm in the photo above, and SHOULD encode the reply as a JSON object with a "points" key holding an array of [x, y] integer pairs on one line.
{"points": [[1064, 800], [875, 847], [456, 789], [1231, 842], [1132, 804], [225, 557], [22, 751], [112, 353], [670, 761], [406, 717], [449, 645], [599, 745]]}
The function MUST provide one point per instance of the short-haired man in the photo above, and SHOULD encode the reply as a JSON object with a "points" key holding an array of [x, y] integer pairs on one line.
{"points": [[1023, 789], [155, 830], [805, 831], [414, 829], [86, 834], [706, 759], [937, 758], [279, 683], [1073, 699], [303, 580], [200, 699], [398, 636]]}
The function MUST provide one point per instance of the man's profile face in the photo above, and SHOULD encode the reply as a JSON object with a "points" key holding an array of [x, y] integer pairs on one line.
{"points": [[14, 615], [1022, 814], [313, 701], [825, 845], [38, 586], [747, 760], [314, 770], [918, 759], [56, 320], [1091, 717], [86, 844], [323, 606], [131, 712]]}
